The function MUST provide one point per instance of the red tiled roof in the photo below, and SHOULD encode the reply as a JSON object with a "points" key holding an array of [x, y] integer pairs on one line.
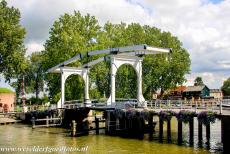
{"points": [[179, 88]]}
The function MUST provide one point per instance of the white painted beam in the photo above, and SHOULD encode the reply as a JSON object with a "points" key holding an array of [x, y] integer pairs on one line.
{"points": [[53, 69], [94, 62], [134, 48]]}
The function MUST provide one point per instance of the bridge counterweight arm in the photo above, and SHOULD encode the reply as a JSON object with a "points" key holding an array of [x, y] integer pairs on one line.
{"points": [[139, 49], [94, 62], [78, 56]]}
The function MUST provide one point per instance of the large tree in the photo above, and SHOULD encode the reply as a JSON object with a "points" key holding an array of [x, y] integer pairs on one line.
{"points": [[34, 77], [70, 35], [73, 34], [226, 87], [198, 81], [12, 51]]}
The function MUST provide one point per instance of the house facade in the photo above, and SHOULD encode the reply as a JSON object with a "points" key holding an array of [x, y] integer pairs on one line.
{"points": [[177, 93], [216, 93], [196, 92]]}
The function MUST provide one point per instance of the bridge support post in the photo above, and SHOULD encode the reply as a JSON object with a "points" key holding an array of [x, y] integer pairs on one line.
{"points": [[33, 122], [208, 133], [73, 128], [225, 120], [191, 132], [87, 100], [97, 125], [161, 122], [179, 138], [47, 121], [200, 133], [140, 97], [107, 122], [62, 90], [150, 124], [169, 130]]}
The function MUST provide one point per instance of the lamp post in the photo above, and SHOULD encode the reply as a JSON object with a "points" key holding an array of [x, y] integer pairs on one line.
{"points": [[23, 96]]}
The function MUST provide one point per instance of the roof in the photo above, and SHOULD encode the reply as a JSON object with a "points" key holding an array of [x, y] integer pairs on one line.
{"points": [[5, 90], [194, 88], [179, 88], [215, 91]]}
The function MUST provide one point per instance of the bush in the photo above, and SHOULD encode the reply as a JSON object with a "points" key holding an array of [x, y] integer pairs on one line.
{"points": [[207, 117], [166, 115], [185, 116]]}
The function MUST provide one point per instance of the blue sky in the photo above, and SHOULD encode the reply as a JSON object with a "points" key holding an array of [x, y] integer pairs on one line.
{"points": [[216, 1], [202, 26]]}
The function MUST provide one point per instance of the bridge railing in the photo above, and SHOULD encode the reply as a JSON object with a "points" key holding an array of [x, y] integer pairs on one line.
{"points": [[212, 105], [19, 108]]}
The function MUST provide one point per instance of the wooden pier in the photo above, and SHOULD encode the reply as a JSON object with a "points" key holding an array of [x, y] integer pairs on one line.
{"points": [[49, 122], [96, 122], [6, 121], [8, 118]]}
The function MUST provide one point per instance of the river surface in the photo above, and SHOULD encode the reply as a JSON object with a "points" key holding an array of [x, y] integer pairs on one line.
{"points": [[19, 135]]}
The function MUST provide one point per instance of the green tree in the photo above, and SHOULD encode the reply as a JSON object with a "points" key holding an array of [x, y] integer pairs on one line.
{"points": [[198, 81], [226, 87], [73, 34], [12, 51], [126, 82], [69, 36], [34, 77]]}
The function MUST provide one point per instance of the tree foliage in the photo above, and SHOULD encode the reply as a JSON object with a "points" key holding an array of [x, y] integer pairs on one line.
{"points": [[198, 81], [12, 51], [73, 34], [70, 35], [34, 77], [126, 82], [226, 87]]}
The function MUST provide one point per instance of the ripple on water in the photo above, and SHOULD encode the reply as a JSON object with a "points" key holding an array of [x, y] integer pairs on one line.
{"points": [[21, 135]]}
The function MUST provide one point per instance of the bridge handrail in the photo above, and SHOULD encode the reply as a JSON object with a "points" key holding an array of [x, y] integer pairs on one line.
{"points": [[189, 104]]}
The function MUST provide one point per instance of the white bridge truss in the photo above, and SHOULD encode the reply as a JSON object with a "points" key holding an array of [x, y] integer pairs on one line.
{"points": [[131, 55]]}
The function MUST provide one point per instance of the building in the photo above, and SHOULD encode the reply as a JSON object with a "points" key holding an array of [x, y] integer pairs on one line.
{"points": [[7, 100], [177, 93], [196, 92], [216, 93]]}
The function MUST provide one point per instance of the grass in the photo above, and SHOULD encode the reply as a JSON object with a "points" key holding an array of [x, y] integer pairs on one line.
{"points": [[5, 90]]}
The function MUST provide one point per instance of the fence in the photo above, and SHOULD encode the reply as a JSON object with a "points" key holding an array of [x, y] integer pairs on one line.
{"points": [[48, 122], [29, 108], [212, 105]]}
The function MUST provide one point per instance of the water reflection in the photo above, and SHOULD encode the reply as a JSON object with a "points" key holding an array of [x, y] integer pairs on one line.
{"points": [[20, 135]]}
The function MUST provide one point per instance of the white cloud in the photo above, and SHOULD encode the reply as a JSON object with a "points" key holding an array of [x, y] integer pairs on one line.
{"points": [[201, 25], [33, 46], [212, 80]]}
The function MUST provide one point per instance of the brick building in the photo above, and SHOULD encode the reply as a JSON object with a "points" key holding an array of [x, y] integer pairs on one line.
{"points": [[7, 100]]}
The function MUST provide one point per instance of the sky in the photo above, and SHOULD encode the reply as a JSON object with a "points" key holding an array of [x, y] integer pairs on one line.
{"points": [[201, 25]]}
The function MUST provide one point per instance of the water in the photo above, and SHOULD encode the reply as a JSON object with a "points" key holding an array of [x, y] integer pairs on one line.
{"points": [[19, 135]]}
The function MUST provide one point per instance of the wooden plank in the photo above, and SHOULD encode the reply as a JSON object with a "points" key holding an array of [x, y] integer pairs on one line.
{"points": [[50, 125]]}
